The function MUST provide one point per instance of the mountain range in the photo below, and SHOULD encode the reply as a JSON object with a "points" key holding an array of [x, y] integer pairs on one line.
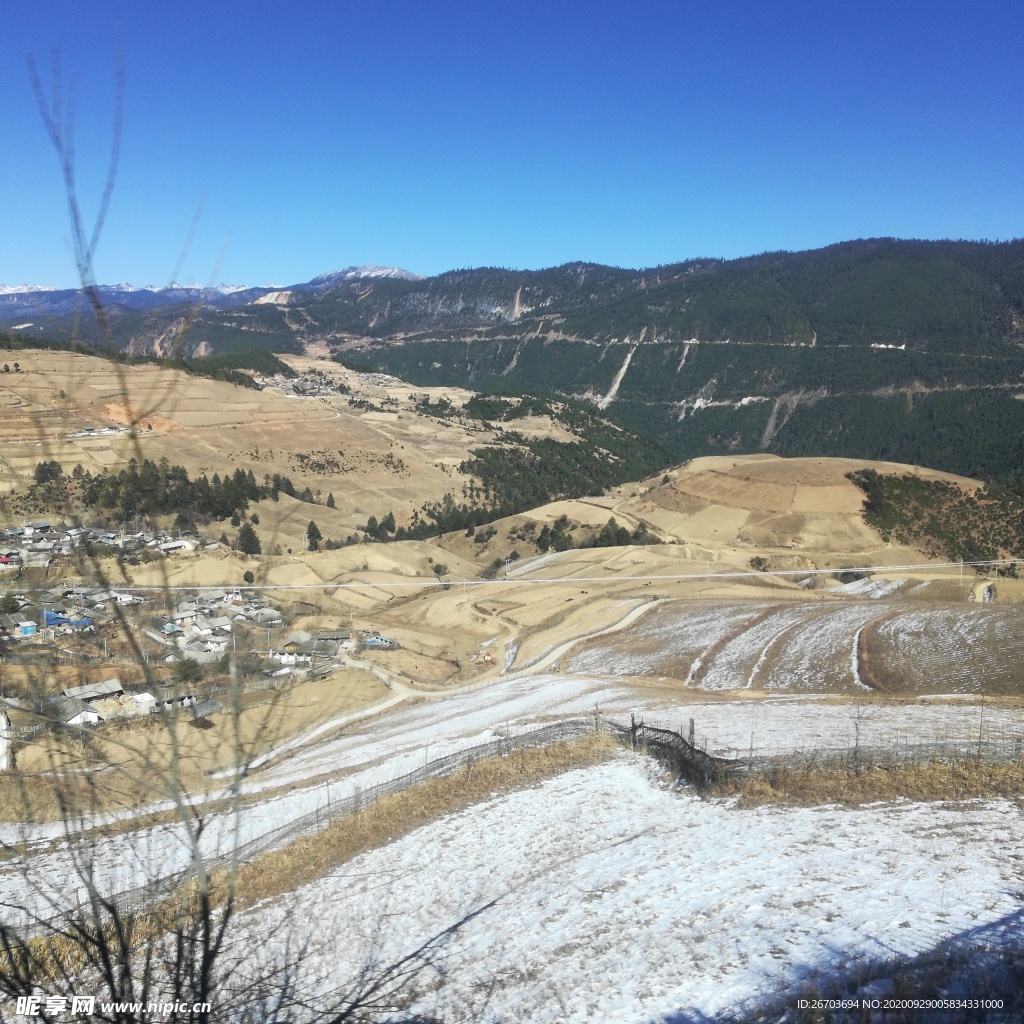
{"points": [[36, 300], [910, 351]]}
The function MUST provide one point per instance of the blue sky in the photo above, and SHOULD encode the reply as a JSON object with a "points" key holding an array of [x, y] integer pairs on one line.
{"points": [[439, 135]]}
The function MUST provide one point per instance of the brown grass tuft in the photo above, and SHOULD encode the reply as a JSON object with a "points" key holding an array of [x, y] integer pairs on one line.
{"points": [[965, 780]]}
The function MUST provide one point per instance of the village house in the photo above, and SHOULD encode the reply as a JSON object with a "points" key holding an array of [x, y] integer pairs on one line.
{"points": [[342, 637], [145, 702], [71, 711], [185, 614], [266, 616], [91, 692], [175, 547]]}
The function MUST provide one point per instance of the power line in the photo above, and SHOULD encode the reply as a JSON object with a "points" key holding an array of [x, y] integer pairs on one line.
{"points": [[433, 582]]}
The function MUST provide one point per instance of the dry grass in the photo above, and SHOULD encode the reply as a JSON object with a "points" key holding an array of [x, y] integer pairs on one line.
{"points": [[132, 762], [961, 781], [306, 859]]}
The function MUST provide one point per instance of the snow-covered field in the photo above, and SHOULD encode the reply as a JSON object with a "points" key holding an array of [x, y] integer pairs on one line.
{"points": [[663, 641], [816, 654], [618, 899], [870, 588], [969, 651], [742, 659]]}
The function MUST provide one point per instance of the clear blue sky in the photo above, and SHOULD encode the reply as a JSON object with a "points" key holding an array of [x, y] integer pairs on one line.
{"points": [[440, 135]]}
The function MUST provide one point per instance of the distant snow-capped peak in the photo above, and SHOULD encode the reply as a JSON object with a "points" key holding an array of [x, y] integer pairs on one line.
{"points": [[217, 289], [24, 289], [318, 283], [366, 270], [125, 288]]}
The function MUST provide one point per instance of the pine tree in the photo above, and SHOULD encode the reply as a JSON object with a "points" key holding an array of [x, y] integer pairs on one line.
{"points": [[313, 536], [249, 541]]}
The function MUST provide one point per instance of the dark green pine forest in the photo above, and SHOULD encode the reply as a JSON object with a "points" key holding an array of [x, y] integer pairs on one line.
{"points": [[880, 349]]}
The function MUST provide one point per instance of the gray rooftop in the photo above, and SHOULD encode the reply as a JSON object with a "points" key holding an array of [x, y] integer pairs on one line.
{"points": [[95, 691]]}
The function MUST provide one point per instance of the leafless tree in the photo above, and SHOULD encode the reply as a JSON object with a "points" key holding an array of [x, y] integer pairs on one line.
{"points": [[88, 905]]}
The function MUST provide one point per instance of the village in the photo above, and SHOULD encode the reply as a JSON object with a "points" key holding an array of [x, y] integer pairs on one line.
{"points": [[359, 386], [42, 544], [187, 649]]}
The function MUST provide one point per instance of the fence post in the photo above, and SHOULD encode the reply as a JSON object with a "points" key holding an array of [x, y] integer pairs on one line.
{"points": [[691, 731]]}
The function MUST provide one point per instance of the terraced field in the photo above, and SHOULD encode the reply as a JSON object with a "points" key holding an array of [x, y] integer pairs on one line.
{"points": [[976, 650], [839, 646], [670, 642]]}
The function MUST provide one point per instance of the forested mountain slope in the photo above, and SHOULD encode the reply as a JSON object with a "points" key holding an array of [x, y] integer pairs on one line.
{"points": [[907, 351], [880, 349]]}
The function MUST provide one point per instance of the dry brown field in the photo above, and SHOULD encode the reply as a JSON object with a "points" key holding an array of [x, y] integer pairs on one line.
{"points": [[149, 753]]}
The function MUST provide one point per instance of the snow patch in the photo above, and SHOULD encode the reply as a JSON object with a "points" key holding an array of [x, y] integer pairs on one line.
{"points": [[868, 587]]}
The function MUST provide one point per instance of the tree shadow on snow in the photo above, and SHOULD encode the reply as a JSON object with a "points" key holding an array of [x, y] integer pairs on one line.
{"points": [[985, 963]]}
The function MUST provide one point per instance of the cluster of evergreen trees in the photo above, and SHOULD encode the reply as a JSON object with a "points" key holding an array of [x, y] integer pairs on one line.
{"points": [[940, 517], [150, 488], [531, 472], [559, 536], [431, 520], [502, 408]]}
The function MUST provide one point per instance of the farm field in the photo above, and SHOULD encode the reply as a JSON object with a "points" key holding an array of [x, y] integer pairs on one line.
{"points": [[848, 646], [800, 509]]}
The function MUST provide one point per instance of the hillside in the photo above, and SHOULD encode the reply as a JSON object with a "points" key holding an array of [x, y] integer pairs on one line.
{"points": [[984, 523], [374, 445], [764, 502], [880, 349]]}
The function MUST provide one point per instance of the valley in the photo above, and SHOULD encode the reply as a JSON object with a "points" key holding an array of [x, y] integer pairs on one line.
{"points": [[743, 601], [512, 515]]}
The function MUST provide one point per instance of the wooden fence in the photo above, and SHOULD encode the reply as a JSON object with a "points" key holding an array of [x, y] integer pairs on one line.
{"points": [[308, 824], [689, 761], [706, 771]]}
